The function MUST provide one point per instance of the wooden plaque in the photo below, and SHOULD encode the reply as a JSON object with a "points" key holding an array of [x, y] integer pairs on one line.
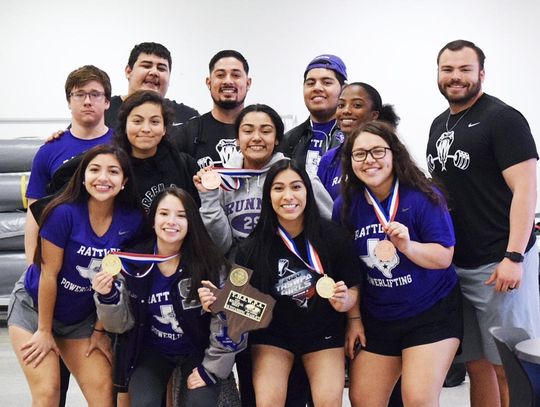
{"points": [[245, 307]]}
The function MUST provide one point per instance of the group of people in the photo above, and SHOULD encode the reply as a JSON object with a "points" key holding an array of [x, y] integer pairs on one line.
{"points": [[418, 267]]}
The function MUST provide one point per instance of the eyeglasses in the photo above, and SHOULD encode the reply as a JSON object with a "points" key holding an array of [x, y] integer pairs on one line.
{"points": [[376, 152], [81, 96]]}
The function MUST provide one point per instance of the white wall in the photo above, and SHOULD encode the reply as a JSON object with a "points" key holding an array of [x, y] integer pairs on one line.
{"points": [[390, 44]]}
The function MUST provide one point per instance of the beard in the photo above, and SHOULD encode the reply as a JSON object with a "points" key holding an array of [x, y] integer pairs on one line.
{"points": [[228, 104], [471, 93]]}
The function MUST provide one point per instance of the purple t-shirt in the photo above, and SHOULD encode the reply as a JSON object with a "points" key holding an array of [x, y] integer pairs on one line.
{"points": [[330, 171], [399, 288], [51, 156], [68, 227], [164, 331]]}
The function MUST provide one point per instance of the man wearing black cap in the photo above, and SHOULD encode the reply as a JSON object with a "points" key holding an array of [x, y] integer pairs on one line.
{"points": [[307, 143]]}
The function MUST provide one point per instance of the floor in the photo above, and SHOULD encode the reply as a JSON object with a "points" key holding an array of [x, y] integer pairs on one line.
{"points": [[14, 391]]}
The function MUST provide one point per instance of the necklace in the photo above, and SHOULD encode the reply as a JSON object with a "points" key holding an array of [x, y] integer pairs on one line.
{"points": [[456, 123]]}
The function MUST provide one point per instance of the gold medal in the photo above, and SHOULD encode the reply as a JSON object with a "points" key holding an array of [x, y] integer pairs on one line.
{"points": [[325, 286], [111, 264], [238, 276], [211, 180], [385, 250]]}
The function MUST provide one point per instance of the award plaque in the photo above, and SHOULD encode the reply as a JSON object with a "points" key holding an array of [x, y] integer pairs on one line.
{"points": [[245, 307], [111, 264], [211, 180], [385, 250], [325, 286]]}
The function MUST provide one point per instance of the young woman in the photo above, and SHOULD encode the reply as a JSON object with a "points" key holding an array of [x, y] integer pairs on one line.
{"points": [[231, 215], [52, 312], [143, 121], [304, 325], [358, 103], [410, 320], [158, 309]]}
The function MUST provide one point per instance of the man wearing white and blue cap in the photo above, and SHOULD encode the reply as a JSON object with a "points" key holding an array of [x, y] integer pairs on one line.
{"points": [[323, 79]]}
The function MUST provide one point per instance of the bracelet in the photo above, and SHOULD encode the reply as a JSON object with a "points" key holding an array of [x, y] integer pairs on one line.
{"points": [[100, 330], [358, 317]]}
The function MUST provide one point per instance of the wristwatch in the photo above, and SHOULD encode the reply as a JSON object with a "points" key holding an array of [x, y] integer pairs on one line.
{"points": [[514, 256]]}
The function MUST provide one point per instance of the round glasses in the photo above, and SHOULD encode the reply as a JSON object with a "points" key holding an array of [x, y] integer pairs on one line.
{"points": [[376, 152]]}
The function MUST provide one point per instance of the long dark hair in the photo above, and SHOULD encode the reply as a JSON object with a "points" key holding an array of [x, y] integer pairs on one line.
{"points": [[259, 242], [404, 167], [75, 190], [132, 101], [200, 255]]}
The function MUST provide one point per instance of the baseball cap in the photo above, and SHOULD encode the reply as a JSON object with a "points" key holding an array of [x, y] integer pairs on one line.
{"points": [[328, 61]]}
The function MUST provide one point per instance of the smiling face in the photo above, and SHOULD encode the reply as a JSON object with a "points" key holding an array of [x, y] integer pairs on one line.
{"points": [[460, 77], [145, 129], [170, 222], [321, 92], [149, 72], [103, 177], [289, 196], [354, 108], [89, 111], [228, 83], [376, 174], [256, 139]]}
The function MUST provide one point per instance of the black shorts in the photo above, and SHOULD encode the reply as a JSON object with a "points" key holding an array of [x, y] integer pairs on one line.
{"points": [[301, 344], [442, 321]]}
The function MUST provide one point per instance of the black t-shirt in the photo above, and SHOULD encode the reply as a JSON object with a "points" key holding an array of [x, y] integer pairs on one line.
{"points": [[469, 160], [168, 167], [182, 113], [206, 139], [299, 310]]}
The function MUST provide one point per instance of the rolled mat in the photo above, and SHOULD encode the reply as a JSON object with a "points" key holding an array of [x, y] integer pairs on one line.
{"points": [[12, 230], [16, 155], [12, 265], [13, 191]]}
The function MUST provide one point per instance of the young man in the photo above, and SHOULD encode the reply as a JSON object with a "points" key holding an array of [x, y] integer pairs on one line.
{"points": [[210, 138], [88, 93], [149, 68], [484, 153], [323, 79]]}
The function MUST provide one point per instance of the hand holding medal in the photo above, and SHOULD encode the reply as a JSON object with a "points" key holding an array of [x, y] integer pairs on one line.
{"points": [[385, 250]]}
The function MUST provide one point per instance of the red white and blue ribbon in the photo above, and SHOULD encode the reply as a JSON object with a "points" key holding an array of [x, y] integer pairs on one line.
{"points": [[231, 177], [313, 260], [139, 258], [387, 215]]}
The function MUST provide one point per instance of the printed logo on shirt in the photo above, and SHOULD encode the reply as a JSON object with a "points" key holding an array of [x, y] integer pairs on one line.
{"points": [[299, 284], [459, 159], [385, 267], [168, 317], [225, 149], [90, 272]]}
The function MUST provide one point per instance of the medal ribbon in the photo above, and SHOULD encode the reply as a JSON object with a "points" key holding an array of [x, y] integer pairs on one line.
{"points": [[140, 258], [314, 262], [230, 177], [388, 215]]}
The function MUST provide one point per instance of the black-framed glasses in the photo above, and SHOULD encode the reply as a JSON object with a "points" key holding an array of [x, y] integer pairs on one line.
{"points": [[81, 96], [376, 152]]}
